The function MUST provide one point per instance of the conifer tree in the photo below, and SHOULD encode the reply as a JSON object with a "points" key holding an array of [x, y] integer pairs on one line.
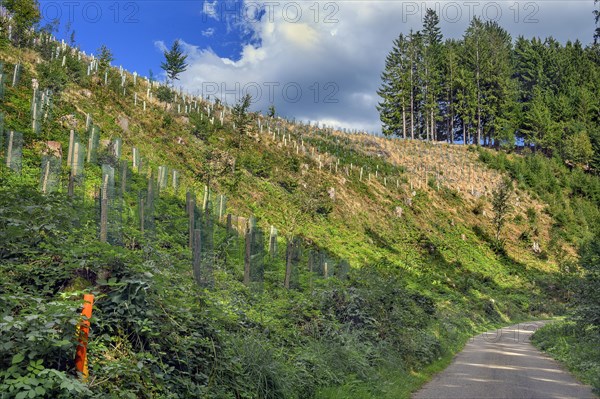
{"points": [[501, 206], [241, 117], [473, 58], [394, 90], [539, 92], [597, 18], [432, 42], [25, 15], [450, 81], [414, 54], [105, 57], [499, 90], [174, 63]]}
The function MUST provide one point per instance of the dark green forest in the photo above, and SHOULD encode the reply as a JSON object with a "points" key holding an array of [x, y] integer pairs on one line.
{"points": [[491, 89]]}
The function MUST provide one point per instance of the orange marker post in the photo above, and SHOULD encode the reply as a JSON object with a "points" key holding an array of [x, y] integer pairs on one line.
{"points": [[83, 332]]}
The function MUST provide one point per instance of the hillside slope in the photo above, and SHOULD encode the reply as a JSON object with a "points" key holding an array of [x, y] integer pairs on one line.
{"points": [[412, 220]]}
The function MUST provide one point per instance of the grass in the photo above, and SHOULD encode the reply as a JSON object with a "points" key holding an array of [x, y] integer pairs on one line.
{"points": [[573, 346], [391, 382]]}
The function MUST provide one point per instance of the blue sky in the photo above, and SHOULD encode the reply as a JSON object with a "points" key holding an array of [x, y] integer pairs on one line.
{"points": [[131, 28], [314, 60]]}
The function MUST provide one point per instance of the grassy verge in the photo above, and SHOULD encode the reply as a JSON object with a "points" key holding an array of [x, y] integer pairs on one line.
{"points": [[393, 382], [573, 346], [390, 382]]}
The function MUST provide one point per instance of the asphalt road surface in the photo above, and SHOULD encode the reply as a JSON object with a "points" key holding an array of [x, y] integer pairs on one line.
{"points": [[502, 364]]}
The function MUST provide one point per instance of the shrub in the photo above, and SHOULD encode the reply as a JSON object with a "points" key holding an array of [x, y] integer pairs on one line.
{"points": [[479, 207], [588, 297], [165, 94]]}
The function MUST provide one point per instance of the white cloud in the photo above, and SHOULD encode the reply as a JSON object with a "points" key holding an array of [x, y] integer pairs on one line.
{"points": [[210, 9], [326, 65], [208, 32], [160, 45]]}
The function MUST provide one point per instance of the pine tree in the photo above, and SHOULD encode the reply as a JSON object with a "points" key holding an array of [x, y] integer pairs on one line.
{"points": [[105, 57], [528, 67], [467, 91], [451, 84], [473, 58], [597, 19], [538, 127], [538, 91], [25, 15], [241, 117], [501, 206], [389, 90], [432, 43], [414, 52], [537, 76], [174, 62], [395, 89], [499, 87], [488, 54], [466, 101]]}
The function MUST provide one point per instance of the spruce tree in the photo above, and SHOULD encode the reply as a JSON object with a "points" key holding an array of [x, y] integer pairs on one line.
{"points": [[394, 90], [501, 206], [450, 85], [473, 60], [499, 90], [25, 15], [174, 63], [242, 117], [597, 19], [388, 91], [431, 79], [105, 57], [415, 56], [482, 88]]}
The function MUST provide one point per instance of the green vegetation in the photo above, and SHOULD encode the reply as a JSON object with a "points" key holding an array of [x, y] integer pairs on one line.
{"points": [[174, 63], [572, 197], [501, 205], [424, 271], [575, 341], [487, 89], [241, 117], [573, 201], [577, 348], [25, 14]]}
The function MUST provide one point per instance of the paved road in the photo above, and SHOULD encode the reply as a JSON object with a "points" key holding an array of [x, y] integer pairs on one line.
{"points": [[503, 364]]}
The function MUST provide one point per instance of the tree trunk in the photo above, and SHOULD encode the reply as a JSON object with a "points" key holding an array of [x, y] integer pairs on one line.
{"points": [[469, 135], [433, 130], [478, 99], [451, 106], [412, 105], [403, 122], [425, 101]]}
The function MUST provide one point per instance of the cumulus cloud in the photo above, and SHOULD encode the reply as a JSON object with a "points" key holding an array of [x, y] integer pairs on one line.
{"points": [[322, 61]]}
